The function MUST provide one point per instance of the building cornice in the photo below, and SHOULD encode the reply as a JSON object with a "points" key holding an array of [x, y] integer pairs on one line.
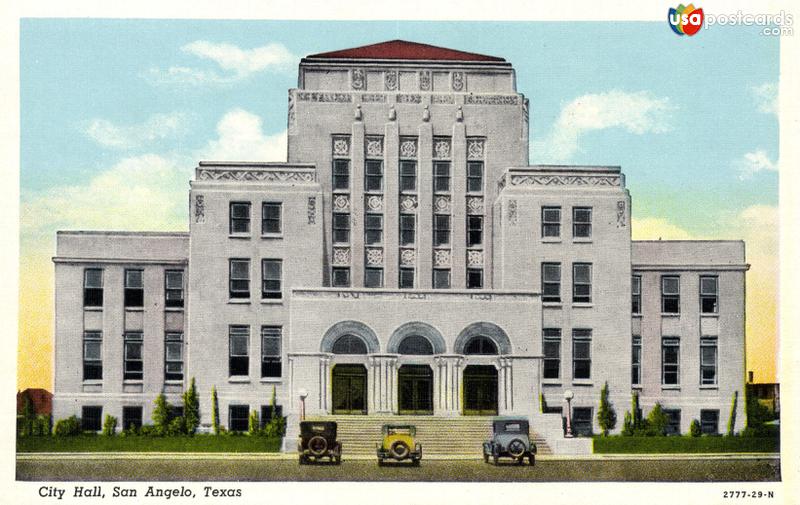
{"points": [[119, 261], [583, 176], [419, 294], [694, 267], [280, 173]]}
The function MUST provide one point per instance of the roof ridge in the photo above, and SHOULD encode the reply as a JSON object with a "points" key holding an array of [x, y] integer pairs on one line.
{"points": [[399, 49]]}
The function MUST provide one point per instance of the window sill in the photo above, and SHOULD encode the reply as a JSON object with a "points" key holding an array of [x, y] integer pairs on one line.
{"points": [[637, 387], [636, 315], [272, 235], [552, 305], [551, 382], [582, 382], [174, 309], [239, 235], [714, 315], [582, 240], [551, 240], [239, 301], [671, 387], [133, 382], [272, 301], [93, 309], [670, 314], [174, 382], [710, 386], [239, 379], [93, 382], [134, 309], [582, 305], [271, 380]]}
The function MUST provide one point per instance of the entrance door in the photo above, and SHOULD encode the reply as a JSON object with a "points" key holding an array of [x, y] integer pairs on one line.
{"points": [[415, 390], [349, 389], [480, 390]]}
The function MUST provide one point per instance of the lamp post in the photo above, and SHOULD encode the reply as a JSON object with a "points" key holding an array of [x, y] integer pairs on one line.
{"points": [[569, 395], [303, 393]]}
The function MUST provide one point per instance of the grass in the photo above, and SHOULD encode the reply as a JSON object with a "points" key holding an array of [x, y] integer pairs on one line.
{"points": [[683, 444], [197, 443]]}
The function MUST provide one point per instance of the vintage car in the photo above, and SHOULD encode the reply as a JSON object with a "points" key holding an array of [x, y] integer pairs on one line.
{"points": [[398, 444], [318, 440], [509, 439]]}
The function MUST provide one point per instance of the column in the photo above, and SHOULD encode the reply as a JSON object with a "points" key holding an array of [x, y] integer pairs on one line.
{"points": [[425, 207], [391, 202], [357, 206], [458, 203]]}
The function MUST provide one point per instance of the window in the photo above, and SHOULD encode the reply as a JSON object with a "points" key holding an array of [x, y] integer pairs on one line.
{"points": [[474, 278], [408, 224], [341, 175], [581, 354], [373, 180], [341, 228], [131, 417], [240, 217], [173, 357], [239, 416], [480, 345], [709, 422], [552, 352], [551, 221], [340, 277], [708, 361], [239, 344], [406, 278], [92, 355], [636, 360], [581, 222], [373, 277], [708, 294], [93, 287], [636, 294], [268, 412], [373, 229], [441, 230], [239, 278], [441, 177], [415, 345], [134, 288], [349, 344], [475, 177], [133, 368], [582, 421], [441, 278], [408, 175], [673, 421], [271, 278], [670, 294], [551, 282], [474, 230], [270, 217], [271, 351], [175, 411], [581, 282], [92, 418], [670, 361], [173, 288]]}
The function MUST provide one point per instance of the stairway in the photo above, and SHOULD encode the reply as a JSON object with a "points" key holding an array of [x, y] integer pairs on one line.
{"points": [[445, 436]]}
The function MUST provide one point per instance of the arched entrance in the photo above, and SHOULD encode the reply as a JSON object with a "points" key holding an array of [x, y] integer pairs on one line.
{"points": [[415, 390], [480, 390], [349, 389]]}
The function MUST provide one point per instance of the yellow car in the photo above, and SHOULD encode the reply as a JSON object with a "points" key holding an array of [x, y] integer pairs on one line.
{"points": [[398, 444]]}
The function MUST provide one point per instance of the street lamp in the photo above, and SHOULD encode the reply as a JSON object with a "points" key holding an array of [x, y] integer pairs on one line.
{"points": [[303, 393], [569, 395]]}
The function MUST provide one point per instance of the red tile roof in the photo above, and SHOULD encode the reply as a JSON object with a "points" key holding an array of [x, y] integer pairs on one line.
{"points": [[41, 399], [404, 50]]}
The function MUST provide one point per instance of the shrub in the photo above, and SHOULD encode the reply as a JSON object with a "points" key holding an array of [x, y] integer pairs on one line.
{"points": [[177, 426], [276, 427], [161, 415], [606, 415], [110, 425], [68, 427], [757, 414], [657, 421], [215, 410], [148, 430], [42, 425], [694, 428], [627, 425], [252, 423], [191, 409], [26, 420]]}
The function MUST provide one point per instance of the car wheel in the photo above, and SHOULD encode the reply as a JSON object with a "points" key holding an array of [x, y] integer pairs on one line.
{"points": [[317, 445], [516, 448], [399, 450]]}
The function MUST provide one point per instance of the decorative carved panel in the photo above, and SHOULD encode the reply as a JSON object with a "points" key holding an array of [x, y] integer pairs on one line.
{"points": [[474, 258], [408, 147], [458, 81], [341, 203], [374, 146], [491, 100], [374, 203], [374, 256], [390, 79], [443, 99], [341, 256], [408, 203], [475, 205], [199, 209], [341, 146], [441, 257], [565, 180], [406, 98], [312, 209], [320, 96], [358, 79], [512, 212], [475, 149], [441, 204], [408, 257], [424, 80], [621, 214], [441, 148]]}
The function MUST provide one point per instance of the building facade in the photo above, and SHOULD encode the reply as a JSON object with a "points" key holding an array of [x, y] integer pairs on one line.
{"points": [[405, 260]]}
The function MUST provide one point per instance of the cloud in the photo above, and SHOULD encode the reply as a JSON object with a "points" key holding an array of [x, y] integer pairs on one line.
{"points": [[766, 96], [241, 138], [237, 64], [652, 228], [156, 127], [635, 112], [753, 163]]}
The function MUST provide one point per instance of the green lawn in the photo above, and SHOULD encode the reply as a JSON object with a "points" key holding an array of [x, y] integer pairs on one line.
{"points": [[683, 444], [197, 443]]}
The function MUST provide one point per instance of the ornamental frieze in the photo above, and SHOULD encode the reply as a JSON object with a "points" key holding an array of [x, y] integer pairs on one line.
{"points": [[373, 98], [405, 98], [245, 175], [565, 180], [358, 79], [318, 96], [491, 100]]}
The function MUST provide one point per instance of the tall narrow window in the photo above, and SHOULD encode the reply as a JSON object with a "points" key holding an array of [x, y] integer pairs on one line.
{"points": [[93, 287], [271, 274], [341, 228], [373, 229], [581, 354], [708, 361], [133, 368], [173, 288], [341, 175], [441, 230], [91, 418], [582, 421], [406, 278], [441, 278], [670, 360], [92, 355], [673, 421], [709, 422], [670, 294], [475, 177], [551, 282], [582, 282], [441, 176], [271, 351], [173, 357], [408, 176], [474, 278], [581, 222], [552, 353], [708, 294], [474, 230], [636, 294], [340, 277], [270, 218], [131, 417], [373, 277], [238, 417], [134, 288], [238, 347], [551, 221], [239, 286], [408, 224], [240, 217], [373, 177], [636, 360]]}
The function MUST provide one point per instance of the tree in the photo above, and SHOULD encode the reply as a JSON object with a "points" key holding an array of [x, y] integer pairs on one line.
{"points": [[636, 411], [28, 416], [191, 408], [161, 415], [657, 420], [694, 428], [110, 426], [252, 423], [214, 410], [732, 418], [606, 415]]}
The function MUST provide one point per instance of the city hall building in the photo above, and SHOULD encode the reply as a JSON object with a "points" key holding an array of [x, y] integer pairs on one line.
{"points": [[406, 262]]}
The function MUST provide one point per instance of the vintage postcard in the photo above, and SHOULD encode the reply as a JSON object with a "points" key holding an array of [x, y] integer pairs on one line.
{"points": [[260, 250]]}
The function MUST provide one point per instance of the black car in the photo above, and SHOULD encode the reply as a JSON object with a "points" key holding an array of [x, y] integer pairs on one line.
{"points": [[510, 439], [318, 440]]}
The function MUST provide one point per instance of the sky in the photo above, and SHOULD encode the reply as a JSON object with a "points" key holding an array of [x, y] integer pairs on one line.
{"points": [[115, 115]]}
